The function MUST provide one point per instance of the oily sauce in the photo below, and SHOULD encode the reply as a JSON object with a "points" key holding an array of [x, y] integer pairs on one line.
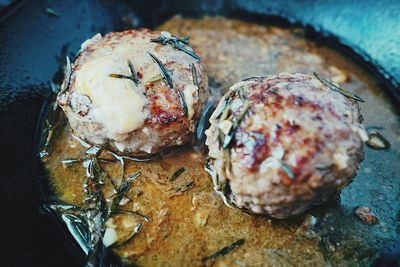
{"points": [[188, 222]]}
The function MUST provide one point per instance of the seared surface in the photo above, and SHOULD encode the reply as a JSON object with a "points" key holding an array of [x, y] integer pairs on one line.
{"points": [[188, 227], [298, 144], [134, 117]]}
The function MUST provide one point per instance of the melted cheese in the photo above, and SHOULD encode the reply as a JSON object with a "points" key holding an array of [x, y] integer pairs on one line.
{"points": [[116, 102]]}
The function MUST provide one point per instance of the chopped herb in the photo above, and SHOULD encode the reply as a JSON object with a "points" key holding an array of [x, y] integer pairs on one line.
{"points": [[92, 150], [57, 206], [86, 223], [222, 252], [185, 187], [121, 160], [225, 110], [67, 75], [183, 102], [226, 113], [120, 76], [176, 174], [338, 89], [93, 168], [255, 78], [49, 11], [194, 76], [175, 42], [164, 72], [94, 206], [131, 77], [187, 51], [236, 120], [135, 79], [286, 168], [141, 159]]}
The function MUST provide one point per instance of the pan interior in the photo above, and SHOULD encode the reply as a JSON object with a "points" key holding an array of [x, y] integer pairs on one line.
{"points": [[189, 222]]}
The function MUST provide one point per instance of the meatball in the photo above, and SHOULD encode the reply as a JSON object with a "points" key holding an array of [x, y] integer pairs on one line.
{"points": [[138, 90], [280, 144]]}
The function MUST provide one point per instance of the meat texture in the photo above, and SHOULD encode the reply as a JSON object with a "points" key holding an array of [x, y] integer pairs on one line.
{"points": [[280, 144], [138, 90]]}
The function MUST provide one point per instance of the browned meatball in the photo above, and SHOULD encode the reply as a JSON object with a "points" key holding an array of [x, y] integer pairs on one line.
{"points": [[280, 144], [139, 90]]}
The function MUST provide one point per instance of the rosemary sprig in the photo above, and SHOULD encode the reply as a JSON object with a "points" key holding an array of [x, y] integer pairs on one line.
{"points": [[177, 43], [177, 173], [133, 72], [254, 78], [121, 161], [120, 76], [183, 102], [164, 72], [94, 202], [52, 127], [194, 75], [166, 37], [226, 114], [222, 252], [133, 77], [67, 75], [121, 191], [223, 114], [338, 89], [57, 206], [87, 223], [236, 120], [141, 159]]}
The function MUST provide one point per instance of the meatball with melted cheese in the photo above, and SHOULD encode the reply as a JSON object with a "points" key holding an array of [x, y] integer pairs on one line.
{"points": [[139, 91], [280, 144]]}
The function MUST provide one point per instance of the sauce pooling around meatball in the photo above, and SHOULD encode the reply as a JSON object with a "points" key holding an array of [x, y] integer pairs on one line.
{"points": [[279, 144], [139, 91]]}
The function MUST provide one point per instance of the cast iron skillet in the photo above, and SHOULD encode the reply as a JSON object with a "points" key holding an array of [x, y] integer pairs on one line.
{"points": [[30, 42]]}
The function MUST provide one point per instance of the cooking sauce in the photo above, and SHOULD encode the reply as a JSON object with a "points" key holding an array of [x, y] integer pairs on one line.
{"points": [[188, 222]]}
